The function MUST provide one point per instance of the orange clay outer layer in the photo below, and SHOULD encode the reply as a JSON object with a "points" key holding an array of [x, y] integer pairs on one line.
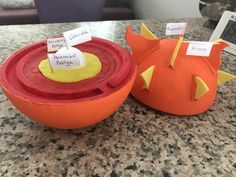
{"points": [[172, 88], [79, 114]]}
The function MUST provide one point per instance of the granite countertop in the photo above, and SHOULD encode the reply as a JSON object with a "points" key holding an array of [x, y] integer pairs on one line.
{"points": [[135, 140]]}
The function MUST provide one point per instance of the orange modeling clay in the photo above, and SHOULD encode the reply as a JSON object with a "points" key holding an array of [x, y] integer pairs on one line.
{"points": [[169, 80], [61, 100]]}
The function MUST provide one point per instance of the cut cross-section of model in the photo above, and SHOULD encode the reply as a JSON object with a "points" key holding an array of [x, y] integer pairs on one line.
{"points": [[69, 99]]}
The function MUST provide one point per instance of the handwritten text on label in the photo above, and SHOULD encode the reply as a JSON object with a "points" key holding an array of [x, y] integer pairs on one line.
{"points": [[175, 28], [77, 36], [67, 59], [199, 48], [55, 44]]}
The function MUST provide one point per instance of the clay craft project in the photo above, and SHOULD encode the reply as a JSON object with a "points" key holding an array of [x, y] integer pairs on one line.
{"points": [[77, 100], [168, 80]]}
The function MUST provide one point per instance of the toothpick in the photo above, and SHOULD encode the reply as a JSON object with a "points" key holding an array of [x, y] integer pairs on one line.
{"points": [[176, 51], [52, 71]]}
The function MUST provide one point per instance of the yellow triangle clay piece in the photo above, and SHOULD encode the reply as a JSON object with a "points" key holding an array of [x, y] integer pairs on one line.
{"points": [[224, 77], [145, 32], [176, 51], [217, 41], [201, 89], [147, 76]]}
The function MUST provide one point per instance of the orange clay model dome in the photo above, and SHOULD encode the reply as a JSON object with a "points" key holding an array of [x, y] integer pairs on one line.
{"points": [[170, 81], [68, 105]]}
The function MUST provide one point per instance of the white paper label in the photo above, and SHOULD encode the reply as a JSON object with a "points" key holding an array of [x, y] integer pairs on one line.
{"points": [[55, 44], [67, 58], [77, 36], [199, 48], [175, 28]]}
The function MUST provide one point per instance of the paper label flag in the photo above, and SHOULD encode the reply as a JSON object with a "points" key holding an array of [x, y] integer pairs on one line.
{"points": [[77, 36], [67, 58], [175, 28], [55, 44], [198, 48]]}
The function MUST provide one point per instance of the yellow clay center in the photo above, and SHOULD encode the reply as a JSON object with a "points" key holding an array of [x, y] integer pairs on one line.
{"points": [[92, 68]]}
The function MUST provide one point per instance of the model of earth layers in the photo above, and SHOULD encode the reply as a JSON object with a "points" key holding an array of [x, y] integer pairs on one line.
{"points": [[69, 98], [171, 81]]}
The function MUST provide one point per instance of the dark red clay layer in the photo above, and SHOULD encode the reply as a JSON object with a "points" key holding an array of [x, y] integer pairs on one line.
{"points": [[20, 74]]}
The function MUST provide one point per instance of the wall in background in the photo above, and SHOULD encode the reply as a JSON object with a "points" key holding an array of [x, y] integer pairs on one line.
{"points": [[166, 8]]}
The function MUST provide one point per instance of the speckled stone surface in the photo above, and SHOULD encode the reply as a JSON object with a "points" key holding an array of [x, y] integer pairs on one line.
{"points": [[135, 140]]}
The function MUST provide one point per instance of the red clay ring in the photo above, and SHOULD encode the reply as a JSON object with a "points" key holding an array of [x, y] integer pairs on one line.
{"points": [[23, 76]]}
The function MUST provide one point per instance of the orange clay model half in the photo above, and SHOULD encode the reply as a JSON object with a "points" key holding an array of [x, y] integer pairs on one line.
{"points": [[69, 99], [170, 81]]}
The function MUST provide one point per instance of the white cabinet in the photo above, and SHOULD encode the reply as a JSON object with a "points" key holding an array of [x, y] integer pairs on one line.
{"points": [[166, 8]]}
